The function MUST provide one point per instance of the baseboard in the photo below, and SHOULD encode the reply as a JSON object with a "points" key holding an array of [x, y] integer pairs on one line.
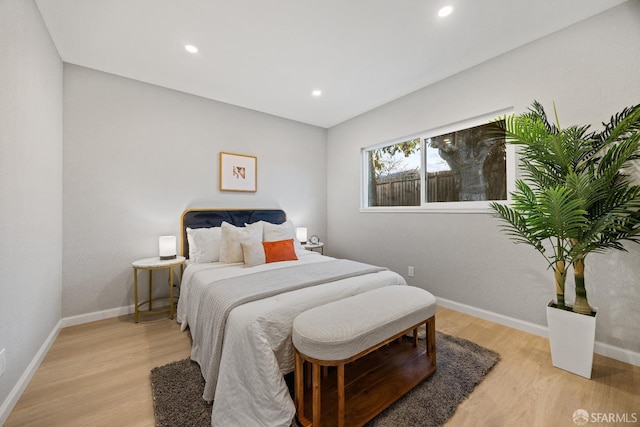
{"points": [[603, 349], [23, 382], [96, 315], [511, 322], [617, 353]]}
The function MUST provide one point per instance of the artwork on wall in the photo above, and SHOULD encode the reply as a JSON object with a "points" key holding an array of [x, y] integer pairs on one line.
{"points": [[238, 172]]}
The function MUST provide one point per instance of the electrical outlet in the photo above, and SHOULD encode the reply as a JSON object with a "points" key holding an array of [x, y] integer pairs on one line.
{"points": [[410, 271], [3, 361]]}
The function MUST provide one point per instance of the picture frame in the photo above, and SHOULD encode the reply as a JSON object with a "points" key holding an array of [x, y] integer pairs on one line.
{"points": [[238, 172]]}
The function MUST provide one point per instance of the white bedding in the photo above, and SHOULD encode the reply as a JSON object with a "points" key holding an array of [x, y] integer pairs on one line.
{"points": [[250, 389]]}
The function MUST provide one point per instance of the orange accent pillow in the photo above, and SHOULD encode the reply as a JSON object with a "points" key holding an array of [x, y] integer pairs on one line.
{"points": [[280, 250]]}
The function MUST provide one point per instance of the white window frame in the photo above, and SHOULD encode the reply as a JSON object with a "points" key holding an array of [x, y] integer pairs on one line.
{"points": [[439, 207]]}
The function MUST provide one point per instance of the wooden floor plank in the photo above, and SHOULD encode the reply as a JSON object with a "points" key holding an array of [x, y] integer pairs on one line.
{"points": [[97, 374]]}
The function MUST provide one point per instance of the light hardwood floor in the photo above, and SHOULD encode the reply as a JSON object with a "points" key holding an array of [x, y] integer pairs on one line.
{"points": [[97, 374]]}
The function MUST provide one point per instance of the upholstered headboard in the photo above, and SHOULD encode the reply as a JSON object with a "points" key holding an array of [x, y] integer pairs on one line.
{"points": [[212, 217]]}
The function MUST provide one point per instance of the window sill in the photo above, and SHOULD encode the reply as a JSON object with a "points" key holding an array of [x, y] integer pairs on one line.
{"points": [[481, 207]]}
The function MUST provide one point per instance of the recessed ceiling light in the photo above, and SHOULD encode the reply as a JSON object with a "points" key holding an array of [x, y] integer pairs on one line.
{"points": [[191, 48], [316, 92], [445, 11]]}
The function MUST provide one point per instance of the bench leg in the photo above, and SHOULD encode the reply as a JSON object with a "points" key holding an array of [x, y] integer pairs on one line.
{"points": [[299, 385], [431, 339], [307, 374], [316, 394], [341, 395]]}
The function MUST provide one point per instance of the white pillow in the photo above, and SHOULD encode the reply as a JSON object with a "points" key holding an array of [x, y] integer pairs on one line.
{"points": [[253, 254], [284, 231], [204, 244], [232, 237]]}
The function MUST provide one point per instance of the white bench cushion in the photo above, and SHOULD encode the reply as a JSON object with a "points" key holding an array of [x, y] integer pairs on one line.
{"points": [[344, 328]]}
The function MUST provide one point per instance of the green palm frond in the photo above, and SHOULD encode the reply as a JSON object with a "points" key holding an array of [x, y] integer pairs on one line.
{"points": [[554, 215], [623, 123], [536, 112], [561, 212], [618, 155], [515, 226], [585, 189]]}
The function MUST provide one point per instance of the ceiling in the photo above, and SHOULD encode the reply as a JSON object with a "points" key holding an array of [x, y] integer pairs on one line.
{"points": [[268, 55]]}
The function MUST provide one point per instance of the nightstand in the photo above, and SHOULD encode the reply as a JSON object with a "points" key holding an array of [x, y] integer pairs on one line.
{"points": [[313, 246], [150, 264]]}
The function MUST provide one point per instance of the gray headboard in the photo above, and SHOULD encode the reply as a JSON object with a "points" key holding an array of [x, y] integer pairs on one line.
{"points": [[212, 217]]}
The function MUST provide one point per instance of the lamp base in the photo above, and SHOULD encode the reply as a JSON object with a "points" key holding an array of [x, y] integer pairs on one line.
{"points": [[163, 258]]}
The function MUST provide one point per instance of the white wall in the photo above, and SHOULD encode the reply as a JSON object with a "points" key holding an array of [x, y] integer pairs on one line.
{"points": [[137, 155], [30, 192], [591, 71]]}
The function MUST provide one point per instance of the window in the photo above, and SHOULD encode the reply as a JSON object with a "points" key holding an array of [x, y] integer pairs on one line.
{"points": [[460, 167], [394, 174]]}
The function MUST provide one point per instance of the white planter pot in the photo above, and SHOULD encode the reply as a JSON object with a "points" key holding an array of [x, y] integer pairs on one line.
{"points": [[572, 337]]}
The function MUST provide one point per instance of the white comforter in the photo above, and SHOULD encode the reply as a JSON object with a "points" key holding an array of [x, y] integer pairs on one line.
{"points": [[257, 351]]}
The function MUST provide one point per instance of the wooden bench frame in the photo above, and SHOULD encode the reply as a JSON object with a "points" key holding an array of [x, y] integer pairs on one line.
{"points": [[385, 375]]}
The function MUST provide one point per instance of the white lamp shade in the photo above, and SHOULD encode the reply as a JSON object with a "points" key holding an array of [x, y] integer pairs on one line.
{"points": [[301, 234], [167, 247]]}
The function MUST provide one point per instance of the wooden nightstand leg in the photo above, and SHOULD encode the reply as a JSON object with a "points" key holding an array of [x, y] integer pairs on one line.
{"points": [[150, 290], [170, 292], [135, 294]]}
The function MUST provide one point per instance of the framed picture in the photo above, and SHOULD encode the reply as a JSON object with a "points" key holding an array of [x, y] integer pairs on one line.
{"points": [[238, 172]]}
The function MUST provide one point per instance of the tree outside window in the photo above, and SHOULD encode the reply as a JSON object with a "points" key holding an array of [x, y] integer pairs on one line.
{"points": [[467, 165]]}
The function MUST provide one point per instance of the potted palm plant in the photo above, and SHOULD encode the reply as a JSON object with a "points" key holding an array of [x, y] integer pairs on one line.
{"points": [[574, 199]]}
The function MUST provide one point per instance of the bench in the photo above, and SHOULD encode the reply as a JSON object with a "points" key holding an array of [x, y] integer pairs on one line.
{"points": [[365, 331]]}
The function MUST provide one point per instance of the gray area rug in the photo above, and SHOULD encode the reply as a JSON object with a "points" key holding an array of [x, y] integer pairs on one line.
{"points": [[461, 365]]}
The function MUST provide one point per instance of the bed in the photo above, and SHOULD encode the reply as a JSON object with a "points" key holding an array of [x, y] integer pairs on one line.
{"points": [[247, 278]]}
